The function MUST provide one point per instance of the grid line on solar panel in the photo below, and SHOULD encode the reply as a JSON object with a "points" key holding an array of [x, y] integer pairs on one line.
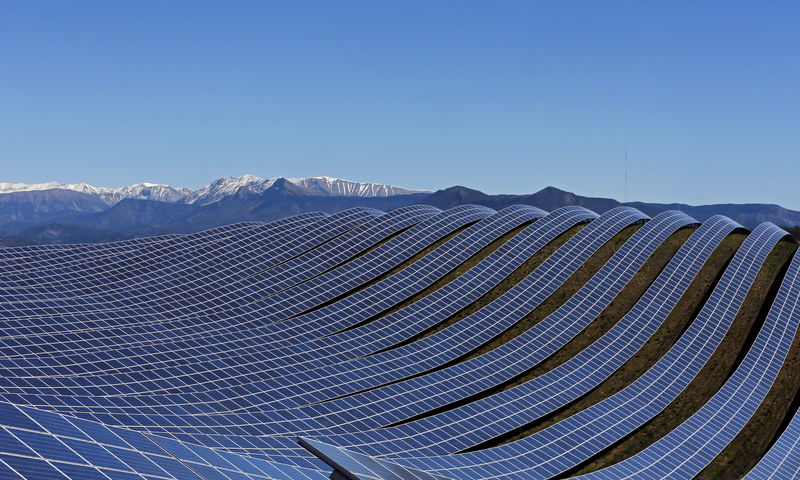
{"points": [[469, 215], [283, 249], [17, 320], [327, 383], [89, 445], [41, 267], [12, 255], [177, 245], [615, 222], [387, 292], [632, 246], [131, 281], [326, 317], [666, 224], [178, 253], [518, 354], [462, 246], [212, 381], [453, 218]]}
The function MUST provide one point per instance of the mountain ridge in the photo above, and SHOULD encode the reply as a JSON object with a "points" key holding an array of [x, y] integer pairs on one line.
{"points": [[216, 190], [549, 198], [69, 216]]}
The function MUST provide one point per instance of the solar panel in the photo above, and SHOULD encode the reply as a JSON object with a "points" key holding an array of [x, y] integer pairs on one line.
{"points": [[361, 333], [89, 450]]}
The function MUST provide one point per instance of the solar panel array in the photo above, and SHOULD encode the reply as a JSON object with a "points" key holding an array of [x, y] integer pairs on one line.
{"points": [[411, 344]]}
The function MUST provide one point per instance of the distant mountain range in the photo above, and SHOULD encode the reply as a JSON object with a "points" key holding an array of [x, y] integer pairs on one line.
{"points": [[56, 213], [216, 190], [748, 214]]}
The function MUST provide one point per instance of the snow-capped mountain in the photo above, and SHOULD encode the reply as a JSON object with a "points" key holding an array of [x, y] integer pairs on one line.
{"points": [[223, 187], [347, 188], [325, 186], [141, 191], [148, 191], [218, 189], [147, 208]]}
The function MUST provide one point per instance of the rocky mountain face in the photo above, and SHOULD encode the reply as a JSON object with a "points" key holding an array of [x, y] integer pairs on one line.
{"points": [[37, 206]]}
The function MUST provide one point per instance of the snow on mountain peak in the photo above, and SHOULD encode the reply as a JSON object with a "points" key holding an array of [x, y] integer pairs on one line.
{"points": [[327, 186], [6, 187], [143, 191], [341, 187], [219, 189]]}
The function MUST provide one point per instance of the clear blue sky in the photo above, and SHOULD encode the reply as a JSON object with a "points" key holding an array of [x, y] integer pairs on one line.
{"points": [[506, 97]]}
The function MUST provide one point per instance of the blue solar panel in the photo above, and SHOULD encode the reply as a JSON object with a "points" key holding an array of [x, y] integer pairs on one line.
{"points": [[280, 305], [384, 294], [783, 458], [90, 450], [216, 350], [584, 244]]}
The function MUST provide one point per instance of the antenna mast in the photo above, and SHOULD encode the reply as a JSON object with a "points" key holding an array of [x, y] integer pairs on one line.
{"points": [[626, 175]]}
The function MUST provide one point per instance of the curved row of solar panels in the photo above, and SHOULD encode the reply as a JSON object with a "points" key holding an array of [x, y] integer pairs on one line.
{"points": [[413, 344]]}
